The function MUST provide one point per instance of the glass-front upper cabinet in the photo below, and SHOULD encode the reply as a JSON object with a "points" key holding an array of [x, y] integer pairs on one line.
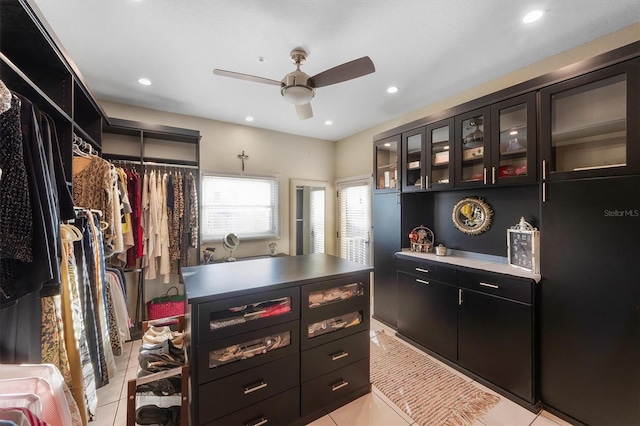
{"points": [[385, 164], [413, 166], [590, 124], [439, 149], [471, 150], [513, 150]]}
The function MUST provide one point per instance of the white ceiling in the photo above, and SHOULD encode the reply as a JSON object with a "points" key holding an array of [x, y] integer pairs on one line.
{"points": [[430, 49]]}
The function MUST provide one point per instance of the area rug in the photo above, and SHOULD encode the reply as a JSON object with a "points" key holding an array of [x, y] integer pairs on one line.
{"points": [[427, 392]]}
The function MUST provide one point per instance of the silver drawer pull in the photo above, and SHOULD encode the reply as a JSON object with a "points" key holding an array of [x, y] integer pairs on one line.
{"points": [[336, 357], [488, 285], [422, 281], [255, 388], [259, 422], [339, 386], [422, 270]]}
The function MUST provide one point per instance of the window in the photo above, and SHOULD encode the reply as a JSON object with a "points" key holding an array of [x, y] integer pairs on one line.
{"points": [[247, 205], [354, 220]]}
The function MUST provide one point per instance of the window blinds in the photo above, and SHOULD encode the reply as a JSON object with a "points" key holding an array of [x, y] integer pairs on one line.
{"points": [[354, 220]]}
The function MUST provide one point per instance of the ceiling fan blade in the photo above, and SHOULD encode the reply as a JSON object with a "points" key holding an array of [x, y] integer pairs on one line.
{"points": [[347, 71], [304, 111], [247, 77]]}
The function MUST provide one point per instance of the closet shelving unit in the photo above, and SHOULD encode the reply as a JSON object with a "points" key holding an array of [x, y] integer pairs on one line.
{"points": [[135, 398], [143, 145], [34, 64]]}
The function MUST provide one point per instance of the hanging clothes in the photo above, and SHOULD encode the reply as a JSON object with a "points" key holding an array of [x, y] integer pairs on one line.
{"points": [[83, 381], [16, 226], [92, 189]]}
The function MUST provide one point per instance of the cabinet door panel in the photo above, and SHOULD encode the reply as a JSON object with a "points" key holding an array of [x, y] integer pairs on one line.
{"points": [[589, 124], [386, 242], [472, 148], [427, 313], [495, 341], [413, 166]]}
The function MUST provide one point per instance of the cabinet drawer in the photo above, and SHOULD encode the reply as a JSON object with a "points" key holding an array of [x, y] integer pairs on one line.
{"points": [[497, 285], [282, 409], [232, 393], [233, 354], [333, 325], [323, 296], [322, 391], [229, 317], [428, 270], [333, 355]]}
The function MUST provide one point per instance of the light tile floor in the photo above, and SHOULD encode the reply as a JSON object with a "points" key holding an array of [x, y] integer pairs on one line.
{"points": [[373, 409]]}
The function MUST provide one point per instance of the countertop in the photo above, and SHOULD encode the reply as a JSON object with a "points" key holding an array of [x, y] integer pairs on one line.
{"points": [[221, 280], [470, 260]]}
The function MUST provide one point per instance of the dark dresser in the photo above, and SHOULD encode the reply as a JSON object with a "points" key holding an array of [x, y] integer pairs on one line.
{"points": [[277, 341]]}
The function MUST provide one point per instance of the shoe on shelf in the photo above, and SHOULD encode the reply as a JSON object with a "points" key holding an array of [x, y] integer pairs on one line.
{"points": [[155, 335], [154, 415], [162, 387]]}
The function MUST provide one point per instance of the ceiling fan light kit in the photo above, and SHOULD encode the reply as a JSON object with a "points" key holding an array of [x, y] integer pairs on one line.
{"points": [[298, 88]]}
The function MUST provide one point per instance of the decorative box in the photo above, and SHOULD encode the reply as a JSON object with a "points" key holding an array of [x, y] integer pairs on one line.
{"points": [[469, 154]]}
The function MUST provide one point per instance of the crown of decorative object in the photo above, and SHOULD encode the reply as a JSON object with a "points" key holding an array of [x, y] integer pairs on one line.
{"points": [[523, 225]]}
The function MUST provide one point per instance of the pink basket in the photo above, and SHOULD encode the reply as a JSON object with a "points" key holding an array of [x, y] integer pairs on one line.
{"points": [[166, 305]]}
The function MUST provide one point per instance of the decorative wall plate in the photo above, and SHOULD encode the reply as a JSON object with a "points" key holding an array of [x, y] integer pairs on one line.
{"points": [[472, 215]]}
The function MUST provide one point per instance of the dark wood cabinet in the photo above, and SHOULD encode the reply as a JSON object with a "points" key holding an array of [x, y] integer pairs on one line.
{"points": [[496, 336], [35, 66], [472, 147], [514, 141], [439, 155], [386, 242], [413, 160], [479, 321], [496, 145], [386, 164], [427, 313], [590, 125], [269, 336], [590, 321]]}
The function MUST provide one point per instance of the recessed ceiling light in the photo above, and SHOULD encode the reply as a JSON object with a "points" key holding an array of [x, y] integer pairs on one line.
{"points": [[513, 132], [532, 16], [387, 144], [144, 81], [260, 59], [392, 89], [328, 122], [248, 118]]}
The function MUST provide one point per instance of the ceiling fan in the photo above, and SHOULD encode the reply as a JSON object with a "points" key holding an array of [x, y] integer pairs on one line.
{"points": [[299, 88]]}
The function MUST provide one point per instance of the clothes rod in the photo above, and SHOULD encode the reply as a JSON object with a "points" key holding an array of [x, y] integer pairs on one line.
{"points": [[181, 166]]}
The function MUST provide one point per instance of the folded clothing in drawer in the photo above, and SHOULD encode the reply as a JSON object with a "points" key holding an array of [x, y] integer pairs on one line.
{"points": [[248, 349], [332, 324]]}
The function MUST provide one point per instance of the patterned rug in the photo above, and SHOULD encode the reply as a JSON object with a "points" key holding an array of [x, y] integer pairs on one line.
{"points": [[427, 392]]}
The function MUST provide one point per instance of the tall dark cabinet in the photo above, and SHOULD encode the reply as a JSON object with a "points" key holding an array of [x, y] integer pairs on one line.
{"points": [[590, 316], [386, 231]]}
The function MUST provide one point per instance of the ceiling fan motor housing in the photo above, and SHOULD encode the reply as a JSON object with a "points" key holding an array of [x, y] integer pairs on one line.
{"points": [[296, 89]]}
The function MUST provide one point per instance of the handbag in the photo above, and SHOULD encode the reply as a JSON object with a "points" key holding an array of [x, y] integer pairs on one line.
{"points": [[166, 305]]}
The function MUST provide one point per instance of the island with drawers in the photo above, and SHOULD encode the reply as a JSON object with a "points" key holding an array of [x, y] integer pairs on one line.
{"points": [[278, 341]]}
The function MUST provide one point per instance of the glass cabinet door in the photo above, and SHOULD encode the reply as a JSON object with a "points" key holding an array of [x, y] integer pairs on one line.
{"points": [[472, 133], [586, 124], [386, 164], [412, 153], [439, 151], [514, 140]]}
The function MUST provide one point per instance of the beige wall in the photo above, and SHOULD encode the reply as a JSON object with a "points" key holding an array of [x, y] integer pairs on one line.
{"points": [[293, 157], [354, 154]]}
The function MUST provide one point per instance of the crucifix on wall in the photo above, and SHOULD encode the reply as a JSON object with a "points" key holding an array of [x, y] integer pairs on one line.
{"points": [[243, 157]]}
